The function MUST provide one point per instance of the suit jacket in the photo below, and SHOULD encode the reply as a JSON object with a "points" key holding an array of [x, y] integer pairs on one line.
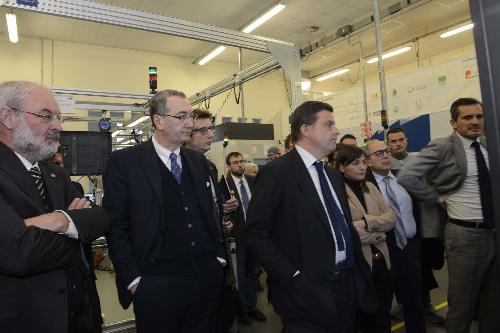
{"points": [[440, 168], [379, 218], [33, 261], [134, 202], [238, 216], [288, 230]]}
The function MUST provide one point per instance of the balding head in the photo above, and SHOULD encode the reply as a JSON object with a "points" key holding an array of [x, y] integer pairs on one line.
{"points": [[29, 120], [379, 156]]}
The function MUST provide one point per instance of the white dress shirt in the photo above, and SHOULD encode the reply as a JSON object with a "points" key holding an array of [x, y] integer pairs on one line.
{"points": [[309, 161], [465, 203], [164, 154], [405, 203], [72, 231], [238, 181]]}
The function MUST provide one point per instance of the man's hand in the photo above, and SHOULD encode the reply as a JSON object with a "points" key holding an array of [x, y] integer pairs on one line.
{"points": [[228, 225], [56, 222], [231, 204], [79, 203]]}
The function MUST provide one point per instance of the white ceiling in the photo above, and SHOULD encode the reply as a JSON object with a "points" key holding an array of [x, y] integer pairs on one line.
{"points": [[288, 25]]}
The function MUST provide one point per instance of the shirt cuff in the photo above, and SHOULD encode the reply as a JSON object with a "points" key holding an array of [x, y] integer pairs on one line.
{"points": [[222, 261], [136, 280], [71, 232]]}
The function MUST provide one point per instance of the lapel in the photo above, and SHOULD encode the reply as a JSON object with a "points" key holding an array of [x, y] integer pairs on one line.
{"points": [[15, 169], [459, 152], [149, 161], [200, 179], [232, 186], [339, 188], [51, 181], [354, 199], [307, 187]]}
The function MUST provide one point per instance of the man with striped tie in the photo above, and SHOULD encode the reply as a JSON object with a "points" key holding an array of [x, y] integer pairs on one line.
{"points": [[46, 283]]}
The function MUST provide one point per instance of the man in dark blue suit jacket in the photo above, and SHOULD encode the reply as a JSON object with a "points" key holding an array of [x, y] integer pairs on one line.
{"points": [[163, 239], [299, 227]]}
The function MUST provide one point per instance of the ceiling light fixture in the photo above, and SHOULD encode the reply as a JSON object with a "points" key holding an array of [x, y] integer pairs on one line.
{"points": [[12, 27], [115, 133], [305, 85], [332, 74], [390, 54], [138, 121], [457, 30], [249, 28]]}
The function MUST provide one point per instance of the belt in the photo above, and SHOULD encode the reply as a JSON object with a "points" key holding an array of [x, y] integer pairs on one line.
{"points": [[468, 224]]}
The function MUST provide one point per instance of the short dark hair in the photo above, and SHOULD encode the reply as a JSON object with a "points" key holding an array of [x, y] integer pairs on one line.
{"points": [[232, 154], [202, 114], [288, 141], [347, 136], [392, 131], [305, 114], [347, 154], [460, 102], [158, 104]]}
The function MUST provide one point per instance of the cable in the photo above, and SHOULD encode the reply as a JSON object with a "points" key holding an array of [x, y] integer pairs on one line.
{"points": [[288, 97]]}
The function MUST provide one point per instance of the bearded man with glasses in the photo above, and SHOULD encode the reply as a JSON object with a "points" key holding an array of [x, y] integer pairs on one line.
{"points": [[47, 282]]}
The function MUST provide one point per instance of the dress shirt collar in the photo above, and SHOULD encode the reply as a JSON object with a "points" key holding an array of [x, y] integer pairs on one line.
{"points": [[27, 164], [164, 152], [237, 181], [380, 178], [306, 156], [465, 141]]}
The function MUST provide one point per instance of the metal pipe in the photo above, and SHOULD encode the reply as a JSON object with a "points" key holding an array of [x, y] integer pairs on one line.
{"points": [[242, 98], [381, 70], [361, 73]]}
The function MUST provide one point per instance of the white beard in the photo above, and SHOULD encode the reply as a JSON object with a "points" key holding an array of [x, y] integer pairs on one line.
{"points": [[33, 148]]}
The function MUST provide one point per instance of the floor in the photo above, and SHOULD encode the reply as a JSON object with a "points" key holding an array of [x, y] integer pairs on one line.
{"points": [[113, 312]]}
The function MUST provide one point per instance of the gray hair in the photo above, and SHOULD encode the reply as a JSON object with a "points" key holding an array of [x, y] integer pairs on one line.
{"points": [[366, 148], [158, 104], [13, 94]]}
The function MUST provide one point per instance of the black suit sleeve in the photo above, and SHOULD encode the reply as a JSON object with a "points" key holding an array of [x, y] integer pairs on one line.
{"points": [[267, 197], [116, 203]]}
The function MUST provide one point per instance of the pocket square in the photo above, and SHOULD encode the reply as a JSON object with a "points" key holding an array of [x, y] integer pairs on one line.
{"points": [[53, 175], [208, 184]]}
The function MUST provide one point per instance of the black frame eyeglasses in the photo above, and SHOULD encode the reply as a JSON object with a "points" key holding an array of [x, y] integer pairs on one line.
{"points": [[203, 130], [380, 153], [45, 117], [180, 117]]}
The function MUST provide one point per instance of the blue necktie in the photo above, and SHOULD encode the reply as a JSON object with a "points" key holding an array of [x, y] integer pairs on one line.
{"points": [[342, 234], [399, 229], [175, 168], [244, 196]]}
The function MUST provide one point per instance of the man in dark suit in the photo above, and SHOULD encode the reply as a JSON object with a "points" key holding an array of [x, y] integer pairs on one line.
{"points": [[299, 227], [46, 282], [403, 244], [163, 239], [454, 172], [248, 268]]}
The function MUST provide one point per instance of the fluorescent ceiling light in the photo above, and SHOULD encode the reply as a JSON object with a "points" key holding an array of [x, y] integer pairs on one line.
{"points": [[332, 74], [390, 54], [251, 27], [138, 121], [265, 17], [305, 85], [120, 139], [457, 30], [211, 55], [12, 27], [115, 133], [119, 124]]}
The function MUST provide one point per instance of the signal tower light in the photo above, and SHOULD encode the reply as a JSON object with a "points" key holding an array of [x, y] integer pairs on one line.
{"points": [[226, 140], [153, 79]]}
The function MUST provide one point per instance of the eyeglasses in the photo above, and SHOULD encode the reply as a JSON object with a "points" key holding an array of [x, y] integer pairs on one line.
{"points": [[180, 117], [238, 162], [45, 117], [380, 153], [203, 130]]}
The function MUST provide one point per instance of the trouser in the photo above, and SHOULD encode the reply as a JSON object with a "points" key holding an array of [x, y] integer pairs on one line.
{"points": [[474, 279], [248, 270]]}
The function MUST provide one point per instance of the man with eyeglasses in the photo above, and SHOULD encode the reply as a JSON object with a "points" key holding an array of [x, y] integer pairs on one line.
{"points": [[402, 242], [163, 239], [248, 268], [47, 283]]}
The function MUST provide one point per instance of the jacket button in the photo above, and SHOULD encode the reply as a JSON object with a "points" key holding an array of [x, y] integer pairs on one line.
{"points": [[190, 225], [151, 260], [193, 243], [186, 208]]}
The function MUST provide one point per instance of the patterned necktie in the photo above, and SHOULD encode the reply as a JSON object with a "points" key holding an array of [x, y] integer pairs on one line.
{"points": [[484, 185], [244, 196], [342, 234], [175, 169], [401, 240], [37, 177]]}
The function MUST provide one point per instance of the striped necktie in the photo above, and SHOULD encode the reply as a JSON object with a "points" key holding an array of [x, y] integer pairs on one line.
{"points": [[37, 177], [399, 228]]}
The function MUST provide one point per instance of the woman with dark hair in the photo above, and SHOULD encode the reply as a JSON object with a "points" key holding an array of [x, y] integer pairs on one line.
{"points": [[372, 217]]}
